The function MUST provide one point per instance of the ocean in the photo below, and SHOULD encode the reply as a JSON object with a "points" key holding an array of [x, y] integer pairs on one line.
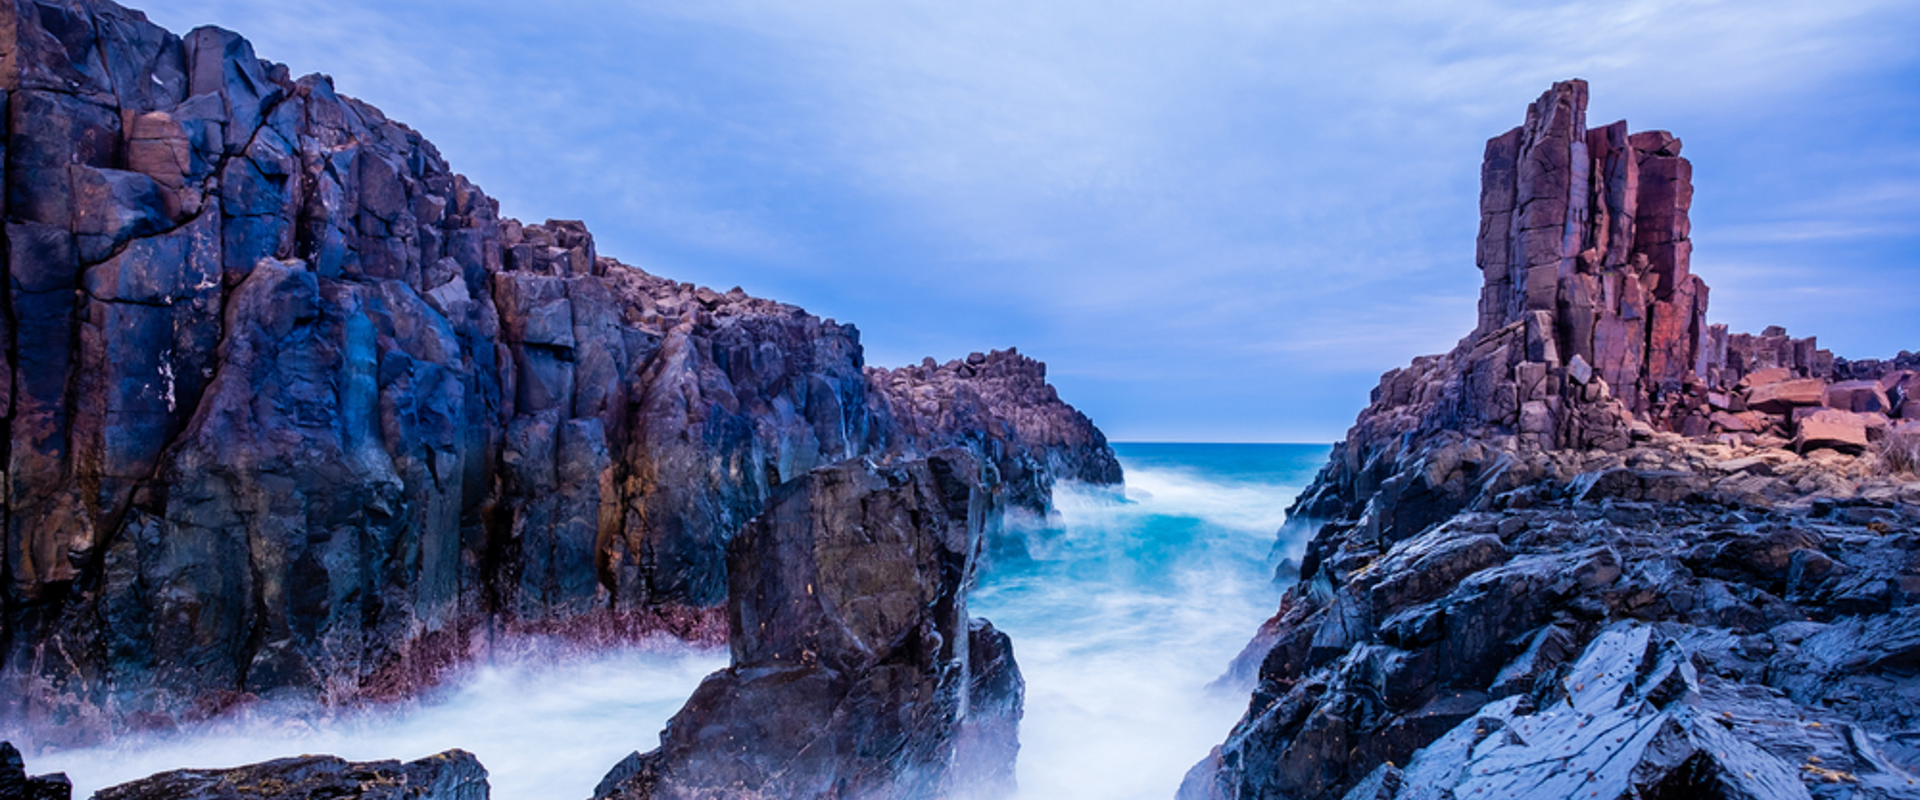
{"points": [[1122, 608]]}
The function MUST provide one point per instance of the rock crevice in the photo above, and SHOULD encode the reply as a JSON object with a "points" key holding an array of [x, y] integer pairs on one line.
{"points": [[289, 410]]}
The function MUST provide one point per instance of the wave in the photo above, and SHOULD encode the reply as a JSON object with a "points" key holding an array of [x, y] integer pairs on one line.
{"points": [[543, 728]]}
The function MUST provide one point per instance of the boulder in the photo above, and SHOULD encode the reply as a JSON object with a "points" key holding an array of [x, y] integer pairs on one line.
{"points": [[15, 785], [1784, 396], [1831, 429], [853, 671], [1863, 397], [452, 775]]}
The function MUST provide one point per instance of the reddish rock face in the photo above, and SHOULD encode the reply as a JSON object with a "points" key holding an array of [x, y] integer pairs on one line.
{"points": [[1828, 428], [1858, 396], [1783, 397]]}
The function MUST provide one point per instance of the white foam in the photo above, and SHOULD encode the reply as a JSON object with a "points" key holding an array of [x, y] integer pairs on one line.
{"points": [[543, 729]]}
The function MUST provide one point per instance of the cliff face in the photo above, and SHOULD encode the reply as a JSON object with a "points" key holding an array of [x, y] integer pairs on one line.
{"points": [[1601, 547], [290, 410]]}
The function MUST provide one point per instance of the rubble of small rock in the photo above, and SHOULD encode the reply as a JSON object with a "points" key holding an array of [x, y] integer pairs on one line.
{"points": [[1602, 548], [293, 413], [875, 685]]}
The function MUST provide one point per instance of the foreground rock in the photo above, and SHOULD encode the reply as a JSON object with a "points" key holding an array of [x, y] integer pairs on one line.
{"points": [[856, 672], [1602, 548], [294, 414], [15, 785], [452, 775]]}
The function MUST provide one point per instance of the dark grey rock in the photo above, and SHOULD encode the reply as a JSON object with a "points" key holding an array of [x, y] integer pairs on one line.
{"points": [[452, 775]]}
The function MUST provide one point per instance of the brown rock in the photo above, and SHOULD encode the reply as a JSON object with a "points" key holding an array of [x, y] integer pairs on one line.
{"points": [[1831, 429], [1858, 396], [1764, 377], [1731, 422], [1784, 396]]}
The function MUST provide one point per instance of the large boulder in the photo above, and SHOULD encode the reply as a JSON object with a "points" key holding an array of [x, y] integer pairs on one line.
{"points": [[855, 671]]}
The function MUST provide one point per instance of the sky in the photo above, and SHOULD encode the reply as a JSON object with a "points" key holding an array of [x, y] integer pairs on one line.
{"points": [[1215, 220]]}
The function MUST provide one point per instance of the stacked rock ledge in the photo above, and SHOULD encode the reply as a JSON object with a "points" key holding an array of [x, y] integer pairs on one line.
{"points": [[1602, 547]]}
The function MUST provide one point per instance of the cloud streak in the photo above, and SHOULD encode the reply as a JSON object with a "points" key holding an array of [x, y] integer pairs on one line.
{"points": [[1240, 197]]}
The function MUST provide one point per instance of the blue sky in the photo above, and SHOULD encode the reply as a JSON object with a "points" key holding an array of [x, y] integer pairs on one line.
{"points": [[1215, 220]]}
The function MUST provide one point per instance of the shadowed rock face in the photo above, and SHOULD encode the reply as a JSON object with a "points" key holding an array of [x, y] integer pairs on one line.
{"points": [[452, 775], [1601, 548], [856, 672], [290, 410], [15, 785]]}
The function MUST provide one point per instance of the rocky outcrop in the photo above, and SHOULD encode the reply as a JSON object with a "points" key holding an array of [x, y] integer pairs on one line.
{"points": [[1002, 400], [452, 775], [855, 670], [15, 785], [291, 411], [1601, 548]]}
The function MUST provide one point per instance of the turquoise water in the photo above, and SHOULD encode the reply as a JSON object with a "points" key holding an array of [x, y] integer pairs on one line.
{"points": [[1122, 609], [1129, 604]]}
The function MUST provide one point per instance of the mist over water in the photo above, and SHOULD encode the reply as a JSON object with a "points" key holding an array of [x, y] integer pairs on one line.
{"points": [[1129, 605], [1122, 610], [543, 727]]}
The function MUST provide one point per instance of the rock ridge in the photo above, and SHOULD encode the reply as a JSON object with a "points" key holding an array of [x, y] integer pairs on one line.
{"points": [[291, 411]]}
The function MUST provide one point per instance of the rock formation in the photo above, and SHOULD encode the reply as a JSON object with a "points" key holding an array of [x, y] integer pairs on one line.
{"points": [[1602, 548], [452, 775], [856, 672], [15, 785], [291, 411]]}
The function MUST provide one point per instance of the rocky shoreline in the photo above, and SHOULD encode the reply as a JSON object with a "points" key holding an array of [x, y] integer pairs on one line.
{"points": [[293, 415], [1601, 548]]}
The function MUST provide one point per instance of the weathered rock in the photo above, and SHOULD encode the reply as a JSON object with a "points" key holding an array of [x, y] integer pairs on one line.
{"points": [[854, 671], [1839, 430], [452, 775], [1784, 396], [1528, 580], [293, 412], [15, 785]]}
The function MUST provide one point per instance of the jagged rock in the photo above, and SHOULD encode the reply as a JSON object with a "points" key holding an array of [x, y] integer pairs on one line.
{"points": [[1633, 717], [452, 775], [1527, 582], [15, 785], [855, 670], [293, 412]]}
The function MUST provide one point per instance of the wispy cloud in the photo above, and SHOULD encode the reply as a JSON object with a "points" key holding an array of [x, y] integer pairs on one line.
{"points": [[1282, 189]]}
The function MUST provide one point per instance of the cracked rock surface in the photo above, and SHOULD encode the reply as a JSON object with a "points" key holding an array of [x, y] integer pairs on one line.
{"points": [[877, 685], [1602, 548], [289, 411]]}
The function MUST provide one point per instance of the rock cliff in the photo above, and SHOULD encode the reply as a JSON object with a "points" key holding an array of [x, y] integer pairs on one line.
{"points": [[1601, 548], [289, 410]]}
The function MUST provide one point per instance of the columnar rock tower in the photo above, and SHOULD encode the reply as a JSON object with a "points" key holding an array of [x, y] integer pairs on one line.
{"points": [[1584, 241], [1601, 548]]}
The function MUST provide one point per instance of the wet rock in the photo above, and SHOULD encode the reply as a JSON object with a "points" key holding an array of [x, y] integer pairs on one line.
{"points": [[1637, 585], [853, 666], [293, 413], [452, 775], [15, 785]]}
